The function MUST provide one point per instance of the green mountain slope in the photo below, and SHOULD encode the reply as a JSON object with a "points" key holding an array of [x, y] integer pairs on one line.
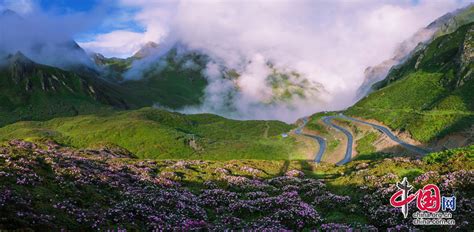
{"points": [[151, 133], [30, 91], [450, 22], [174, 80], [177, 78], [430, 95], [443, 25]]}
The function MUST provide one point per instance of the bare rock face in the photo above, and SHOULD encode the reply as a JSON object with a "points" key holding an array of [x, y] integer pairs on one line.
{"points": [[148, 49], [19, 66], [362, 166], [23, 70], [466, 58], [110, 151]]}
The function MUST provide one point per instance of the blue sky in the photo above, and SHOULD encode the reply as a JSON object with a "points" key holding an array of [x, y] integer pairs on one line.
{"points": [[69, 5], [111, 14], [114, 16]]}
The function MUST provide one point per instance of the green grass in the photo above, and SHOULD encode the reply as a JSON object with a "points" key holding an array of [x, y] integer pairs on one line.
{"points": [[315, 123], [444, 156], [365, 144], [152, 133], [172, 90], [348, 124], [416, 91], [333, 144]]}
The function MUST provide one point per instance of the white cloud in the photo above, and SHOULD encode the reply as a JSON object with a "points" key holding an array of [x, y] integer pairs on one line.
{"points": [[116, 43], [329, 42], [44, 37], [19, 6], [123, 43]]}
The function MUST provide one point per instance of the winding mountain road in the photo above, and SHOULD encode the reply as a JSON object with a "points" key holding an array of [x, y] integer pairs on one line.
{"points": [[393, 137], [350, 139], [321, 140], [322, 147]]}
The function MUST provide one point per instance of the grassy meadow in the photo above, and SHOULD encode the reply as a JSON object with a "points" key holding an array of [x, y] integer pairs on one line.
{"points": [[153, 133]]}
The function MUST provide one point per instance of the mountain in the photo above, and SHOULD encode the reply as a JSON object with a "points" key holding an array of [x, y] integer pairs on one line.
{"points": [[430, 94], [40, 43], [173, 80], [7, 13], [146, 50], [80, 161], [32, 91], [446, 24], [176, 77]]}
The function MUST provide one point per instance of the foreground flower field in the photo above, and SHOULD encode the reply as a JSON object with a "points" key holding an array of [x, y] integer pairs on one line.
{"points": [[45, 186]]}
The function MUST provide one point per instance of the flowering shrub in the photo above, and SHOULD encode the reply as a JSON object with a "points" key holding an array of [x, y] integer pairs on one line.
{"points": [[50, 187], [294, 173], [347, 227], [330, 200], [426, 177]]}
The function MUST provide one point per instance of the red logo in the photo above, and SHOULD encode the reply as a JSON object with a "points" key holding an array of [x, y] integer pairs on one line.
{"points": [[427, 199]]}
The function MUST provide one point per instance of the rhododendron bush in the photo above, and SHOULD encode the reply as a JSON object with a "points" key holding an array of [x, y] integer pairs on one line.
{"points": [[45, 186]]}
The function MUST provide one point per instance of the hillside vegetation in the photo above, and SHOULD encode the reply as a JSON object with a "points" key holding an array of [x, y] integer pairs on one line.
{"points": [[174, 80], [31, 91], [430, 95], [152, 133]]}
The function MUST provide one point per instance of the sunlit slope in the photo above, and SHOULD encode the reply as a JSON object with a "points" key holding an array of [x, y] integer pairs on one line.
{"points": [[151, 133], [431, 94]]}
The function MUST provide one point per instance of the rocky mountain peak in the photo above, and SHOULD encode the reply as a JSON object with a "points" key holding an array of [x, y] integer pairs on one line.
{"points": [[445, 24], [20, 65], [146, 50], [19, 58], [7, 13], [466, 58]]}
